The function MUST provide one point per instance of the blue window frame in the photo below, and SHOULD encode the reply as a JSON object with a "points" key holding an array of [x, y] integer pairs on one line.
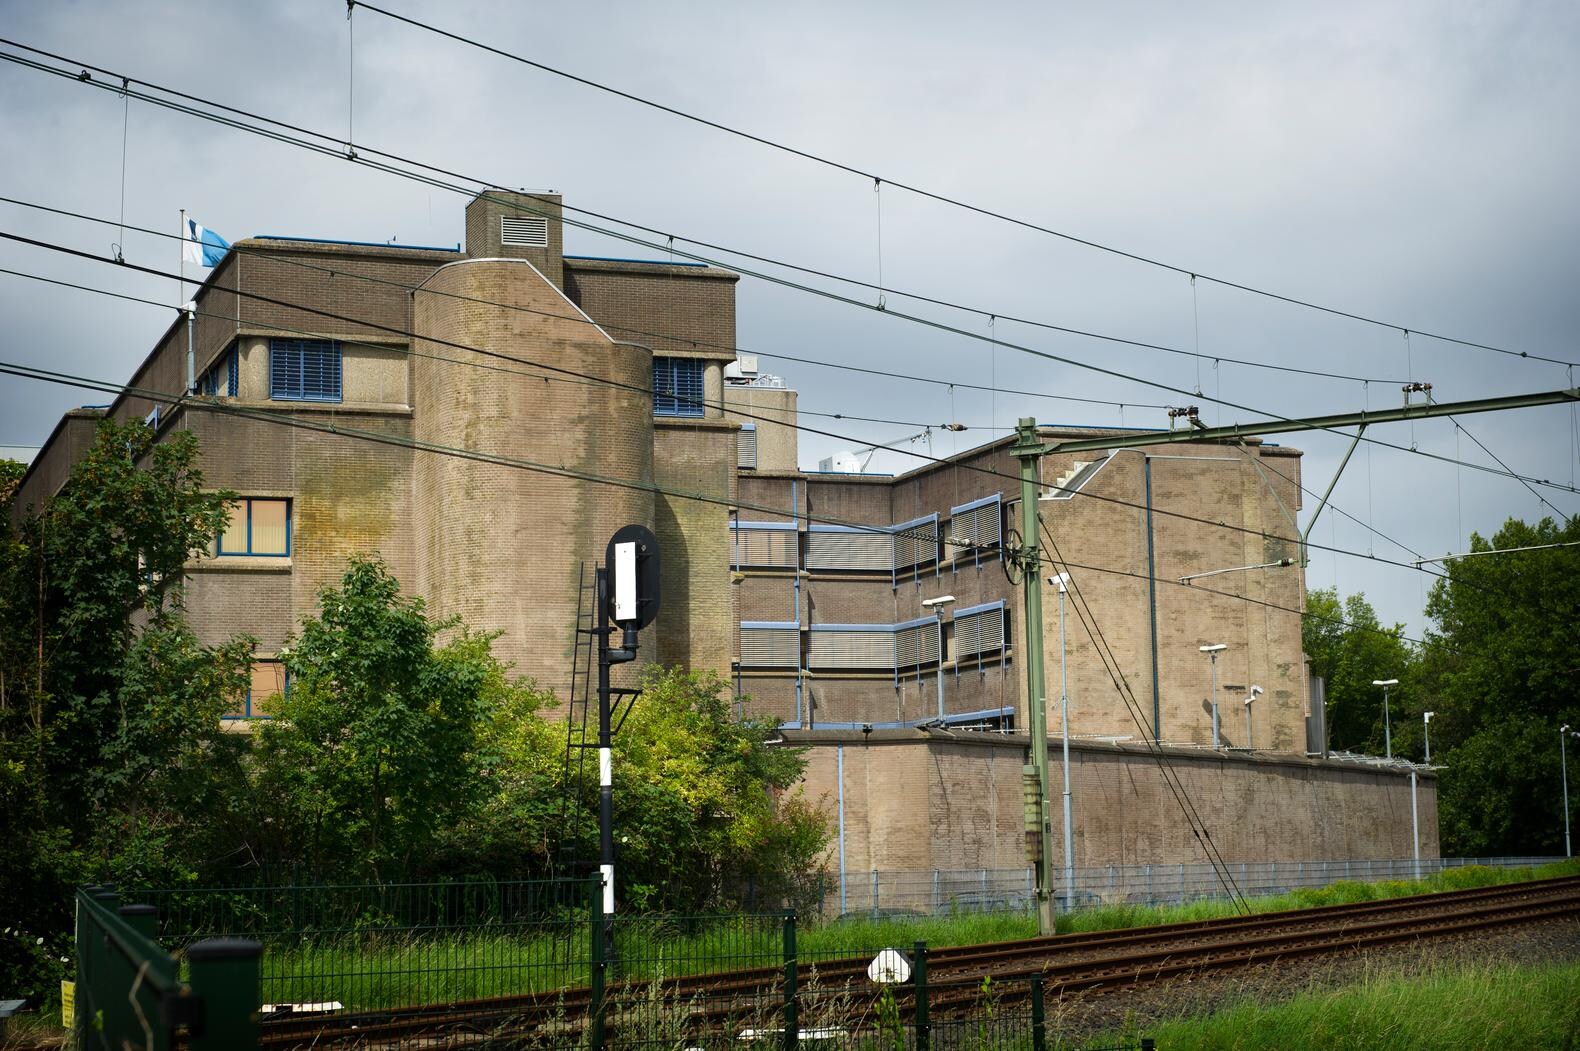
{"points": [[270, 679], [677, 386], [257, 527], [304, 370], [221, 376]]}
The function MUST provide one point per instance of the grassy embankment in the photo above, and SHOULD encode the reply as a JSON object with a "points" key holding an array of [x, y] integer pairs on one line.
{"points": [[1451, 1007], [482, 965]]}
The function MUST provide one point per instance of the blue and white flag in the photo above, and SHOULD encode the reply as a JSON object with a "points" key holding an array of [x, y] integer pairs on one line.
{"points": [[203, 245]]}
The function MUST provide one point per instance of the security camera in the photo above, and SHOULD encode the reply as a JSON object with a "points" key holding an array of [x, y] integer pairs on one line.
{"points": [[1256, 691], [1217, 647], [1059, 580], [866, 728]]}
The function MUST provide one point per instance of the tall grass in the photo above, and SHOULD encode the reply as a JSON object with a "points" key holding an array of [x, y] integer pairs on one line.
{"points": [[1476, 1005], [379, 970]]}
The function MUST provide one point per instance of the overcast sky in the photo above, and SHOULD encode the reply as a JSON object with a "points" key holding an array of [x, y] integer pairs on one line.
{"points": [[1412, 162]]}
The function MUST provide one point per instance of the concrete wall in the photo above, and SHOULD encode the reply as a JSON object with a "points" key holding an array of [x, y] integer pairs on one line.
{"points": [[772, 410], [913, 801]]}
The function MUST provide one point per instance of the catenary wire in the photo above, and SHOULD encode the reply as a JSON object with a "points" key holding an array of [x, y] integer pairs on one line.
{"points": [[773, 279], [943, 198], [335, 427], [642, 390], [481, 187], [279, 258], [735, 348]]}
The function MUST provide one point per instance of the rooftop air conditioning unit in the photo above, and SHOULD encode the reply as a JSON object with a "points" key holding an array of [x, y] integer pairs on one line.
{"points": [[841, 463]]}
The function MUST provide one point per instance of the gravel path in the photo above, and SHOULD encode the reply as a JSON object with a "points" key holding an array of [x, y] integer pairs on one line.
{"points": [[1144, 1006]]}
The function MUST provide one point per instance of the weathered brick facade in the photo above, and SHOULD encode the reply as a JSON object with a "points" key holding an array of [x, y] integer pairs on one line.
{"points": [[542, 364]]}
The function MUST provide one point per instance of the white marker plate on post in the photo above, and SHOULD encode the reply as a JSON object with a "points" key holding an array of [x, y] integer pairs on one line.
{"points": [[889, 967]]}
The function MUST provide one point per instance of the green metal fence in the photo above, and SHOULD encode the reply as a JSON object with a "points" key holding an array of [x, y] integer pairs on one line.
{"points": [[129, 991], [518, 965]]}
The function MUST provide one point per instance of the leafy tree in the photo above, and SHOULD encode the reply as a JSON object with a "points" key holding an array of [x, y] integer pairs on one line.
{"points": [[1502, 669], [1350, 649], [705, 817], [376, 746]]}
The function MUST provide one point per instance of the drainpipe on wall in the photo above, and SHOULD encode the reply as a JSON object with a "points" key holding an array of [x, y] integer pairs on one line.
{"points": [[1152, 605]]}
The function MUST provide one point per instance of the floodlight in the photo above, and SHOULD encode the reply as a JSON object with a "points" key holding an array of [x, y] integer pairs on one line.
{"points": [[1217, 647], [941, 600], [1385, 682]]}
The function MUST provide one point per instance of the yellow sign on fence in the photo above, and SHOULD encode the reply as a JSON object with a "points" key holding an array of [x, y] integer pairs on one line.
{"points": [[68, 1004]]}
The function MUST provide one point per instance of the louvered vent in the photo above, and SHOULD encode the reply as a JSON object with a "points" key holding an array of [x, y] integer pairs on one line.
{"points": [[746, 447], [765, 644], [854, 647], [524, 231], [979, 630], [916, 542], [976, 529], [764, 544], [916, 643], [840, 547]]}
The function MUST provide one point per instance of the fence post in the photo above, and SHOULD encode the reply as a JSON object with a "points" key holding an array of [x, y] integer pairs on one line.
{"points": [[1182, 881], [1039, 1016], [919, 978], [875, 898], [937, 899], [144, 919], [596, 1004], [224, 973], [792, 1023]]}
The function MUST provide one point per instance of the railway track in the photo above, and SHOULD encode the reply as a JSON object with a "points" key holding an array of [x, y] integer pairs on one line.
{"points": [[1068, 965]]}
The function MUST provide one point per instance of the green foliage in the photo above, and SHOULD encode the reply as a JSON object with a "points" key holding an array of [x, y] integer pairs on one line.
{"points": [[704, 813], [1350, 649], [376, 745], [1500, 668], [109, 743], [1451, 1006]]}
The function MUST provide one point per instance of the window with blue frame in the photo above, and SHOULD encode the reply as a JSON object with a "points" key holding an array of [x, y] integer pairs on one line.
{"points": [[269, 683], [677, 386], [220, 378], [304, 369], [257, 527]]}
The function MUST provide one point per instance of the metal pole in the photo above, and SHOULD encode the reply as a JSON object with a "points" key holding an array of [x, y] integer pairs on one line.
{"points": [[839, 759], [1426, 728], [1248, 739], [1029, 451], [1152, 606], [940, 620], [1415, 828], [1214, 657], [1064, 722], [605, 767], [1563, 759], [1387, 727]]}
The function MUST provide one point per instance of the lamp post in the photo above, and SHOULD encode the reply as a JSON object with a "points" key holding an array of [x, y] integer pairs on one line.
{"points": [[1387, 727], [1212, 651], [1426, 727], [1062, 582], [1256, 691], [937, 605], [1563, 760]]}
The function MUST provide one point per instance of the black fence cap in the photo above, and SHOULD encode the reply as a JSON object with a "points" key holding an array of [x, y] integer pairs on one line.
{"points": [[212, 950], [138, 910]]}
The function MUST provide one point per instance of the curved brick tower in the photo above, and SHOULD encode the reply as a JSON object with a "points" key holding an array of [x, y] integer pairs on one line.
{"points": [[498, 544]]}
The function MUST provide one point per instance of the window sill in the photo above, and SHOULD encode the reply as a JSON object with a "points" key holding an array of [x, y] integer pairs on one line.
{"points": [[240, 564], [361, 408]]}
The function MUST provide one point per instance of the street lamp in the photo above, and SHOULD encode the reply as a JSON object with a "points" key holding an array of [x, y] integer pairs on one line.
{"points": [[1062, 582], [936, 605], [1426, 727], [1387, 728], [1563, 760], [1256, 691], [1212, 651]]}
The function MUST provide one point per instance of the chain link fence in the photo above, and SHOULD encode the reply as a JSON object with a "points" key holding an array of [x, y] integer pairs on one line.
{"points": [[880, 893]]}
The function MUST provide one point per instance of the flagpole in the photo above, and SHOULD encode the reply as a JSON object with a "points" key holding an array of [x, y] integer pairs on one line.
{"points": [[181, 291], [181, 246]]}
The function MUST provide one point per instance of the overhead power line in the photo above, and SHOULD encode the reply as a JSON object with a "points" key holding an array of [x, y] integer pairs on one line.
{"points": [[338, 427], [773, 279], [333, 146], [646, 392], [941, 198]]}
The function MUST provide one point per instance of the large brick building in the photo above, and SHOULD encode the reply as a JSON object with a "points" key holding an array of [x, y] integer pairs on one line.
{"points": [[873, 616]]}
